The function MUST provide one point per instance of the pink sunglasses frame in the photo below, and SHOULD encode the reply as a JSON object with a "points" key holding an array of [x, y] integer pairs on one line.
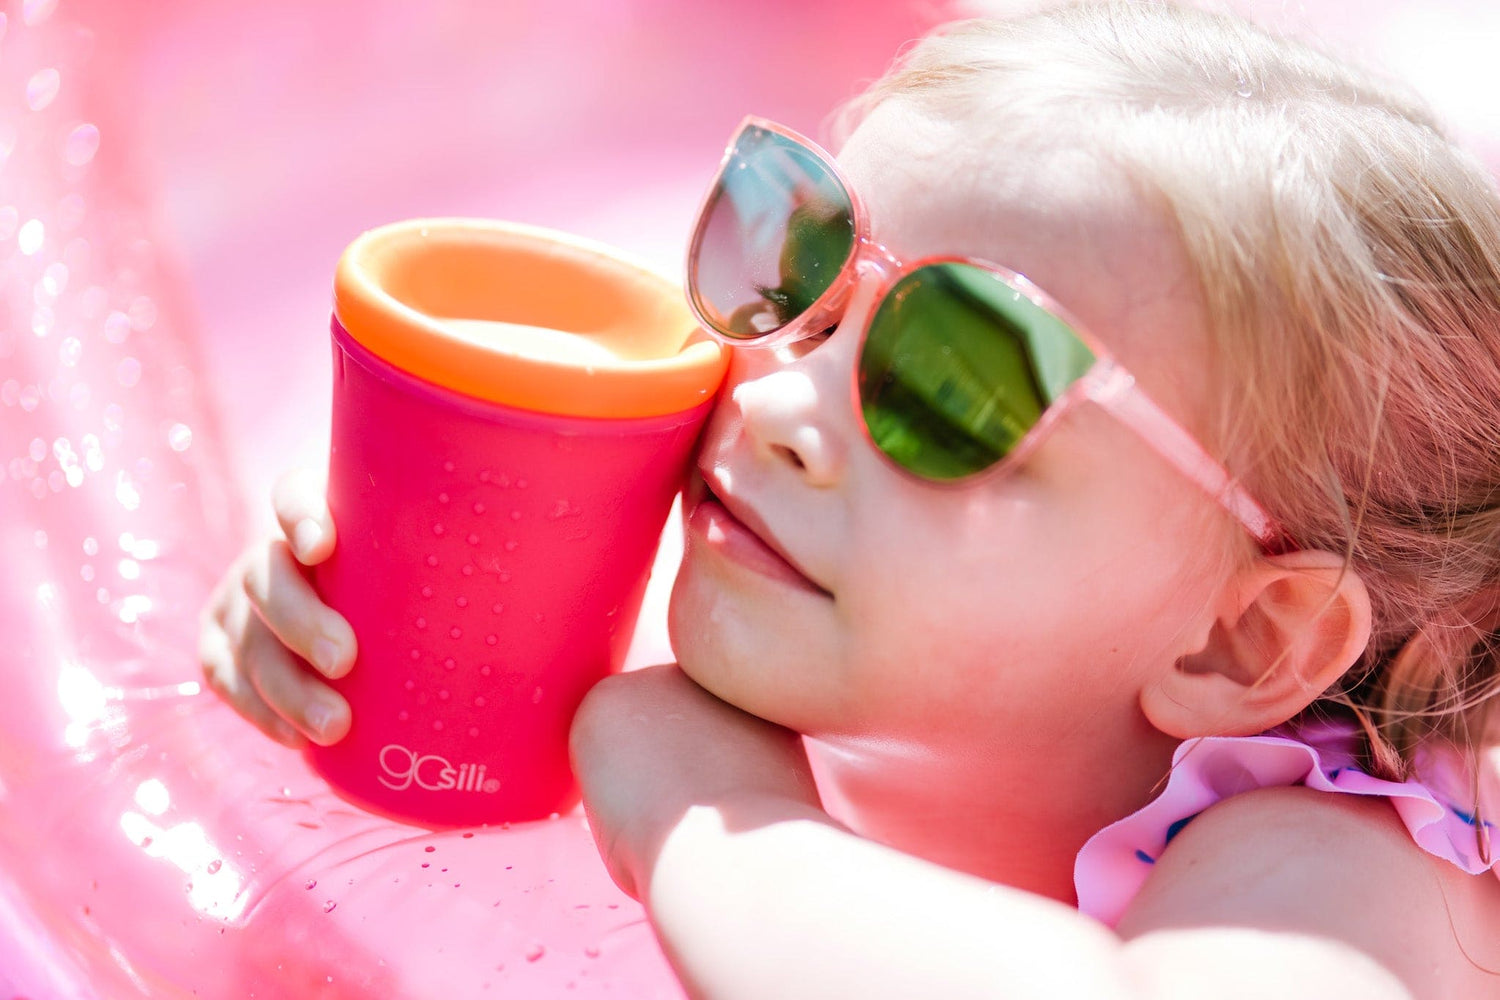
{"points": [[1106, 383]]}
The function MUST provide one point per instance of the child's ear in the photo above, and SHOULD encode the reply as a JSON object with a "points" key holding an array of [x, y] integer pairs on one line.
{"points": [[1290, 626]]}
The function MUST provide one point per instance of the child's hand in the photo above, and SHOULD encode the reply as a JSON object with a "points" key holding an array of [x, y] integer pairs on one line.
{"points": [[263, 625], [651, 744]]}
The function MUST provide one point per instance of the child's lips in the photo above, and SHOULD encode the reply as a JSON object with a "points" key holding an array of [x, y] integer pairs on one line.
{"points": [[735, 531]]}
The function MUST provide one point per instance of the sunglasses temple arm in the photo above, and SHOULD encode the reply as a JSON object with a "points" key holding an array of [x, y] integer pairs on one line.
{"points": [[1116, 391]]}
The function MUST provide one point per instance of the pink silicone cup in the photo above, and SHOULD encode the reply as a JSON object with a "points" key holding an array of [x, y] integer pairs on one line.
{"points": [[492, 558], [492, 563]]}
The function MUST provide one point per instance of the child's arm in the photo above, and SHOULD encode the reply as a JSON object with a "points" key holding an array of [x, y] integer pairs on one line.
{"points": [[708, 815]]}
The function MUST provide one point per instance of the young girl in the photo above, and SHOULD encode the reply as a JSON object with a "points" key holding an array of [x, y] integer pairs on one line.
{"points": [[1089, 715]]}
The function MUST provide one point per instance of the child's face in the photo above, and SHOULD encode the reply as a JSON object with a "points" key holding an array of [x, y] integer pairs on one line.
{"points": [[1022, 608]]}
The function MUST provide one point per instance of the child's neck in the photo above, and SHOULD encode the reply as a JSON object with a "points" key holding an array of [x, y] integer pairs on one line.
{"points": [[1017, 816]]}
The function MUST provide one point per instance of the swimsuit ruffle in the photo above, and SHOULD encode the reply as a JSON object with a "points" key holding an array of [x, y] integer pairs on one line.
{"points": [[1438, 810]]}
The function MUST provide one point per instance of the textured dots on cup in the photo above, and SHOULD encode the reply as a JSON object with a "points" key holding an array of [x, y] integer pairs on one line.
{"points": [[444, 695], [515, 515], [403, 716], [473, 732], [484, 475], [473, 539], [491, 639], [479, 508], [485, 670], [511, 545], [450, 663], [468, 569], [442, 498], [437, 725], [504, 576], [536, 696], [447, 466], [456, 632], [410, 684], [462, 602], [432, 560], [438, 529], [416, 654], [421, 623], [426, 591], [479, 701]]}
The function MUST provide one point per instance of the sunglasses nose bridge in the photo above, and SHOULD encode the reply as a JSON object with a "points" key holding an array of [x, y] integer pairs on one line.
{"points": [[875, 270]]}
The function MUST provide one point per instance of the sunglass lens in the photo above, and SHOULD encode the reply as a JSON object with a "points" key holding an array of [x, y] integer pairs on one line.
{"points": [[957, 367], [776, 232]]}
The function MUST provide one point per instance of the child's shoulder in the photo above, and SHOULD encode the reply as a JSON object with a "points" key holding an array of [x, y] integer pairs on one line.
{"points": [[1342, 868], [1285, 832]]}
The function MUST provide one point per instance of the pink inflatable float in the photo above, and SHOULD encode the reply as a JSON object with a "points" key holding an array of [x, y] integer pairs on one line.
{"points": [[151, 843]]}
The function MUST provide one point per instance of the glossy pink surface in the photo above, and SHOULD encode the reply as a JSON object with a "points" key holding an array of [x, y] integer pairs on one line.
{"points": [[492, 563], [177, 182]]}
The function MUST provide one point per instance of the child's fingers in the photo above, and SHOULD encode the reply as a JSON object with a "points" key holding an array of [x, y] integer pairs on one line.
{"points": [[224, 676], [290, 690], [299, 497], [292, 610]]}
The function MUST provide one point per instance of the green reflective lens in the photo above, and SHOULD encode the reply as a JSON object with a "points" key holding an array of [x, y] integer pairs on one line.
{"points": [[957, 367]]}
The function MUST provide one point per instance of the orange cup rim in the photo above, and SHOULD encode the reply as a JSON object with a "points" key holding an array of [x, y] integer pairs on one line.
{"points": [[684, 375]]}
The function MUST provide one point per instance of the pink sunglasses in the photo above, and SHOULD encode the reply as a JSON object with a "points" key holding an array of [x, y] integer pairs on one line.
{"points": [[964, 365]]}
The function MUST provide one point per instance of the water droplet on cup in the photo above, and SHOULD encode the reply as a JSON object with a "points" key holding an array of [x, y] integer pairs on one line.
{"points": [[535, 953], [329, 907], [214, 866]]}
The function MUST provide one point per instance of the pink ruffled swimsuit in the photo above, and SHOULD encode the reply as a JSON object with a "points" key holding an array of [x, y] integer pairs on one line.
{"points": [[1437, 810]]}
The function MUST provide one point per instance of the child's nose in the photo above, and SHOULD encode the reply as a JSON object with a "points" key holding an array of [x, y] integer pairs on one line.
{"points": [[796, 402], [789, 415]]}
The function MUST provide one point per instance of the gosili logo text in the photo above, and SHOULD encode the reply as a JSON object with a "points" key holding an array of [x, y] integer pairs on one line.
{"points": [[404, 768]]}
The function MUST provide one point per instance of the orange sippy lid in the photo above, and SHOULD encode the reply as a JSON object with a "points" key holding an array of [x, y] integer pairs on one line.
{"points": [[527, 317]]}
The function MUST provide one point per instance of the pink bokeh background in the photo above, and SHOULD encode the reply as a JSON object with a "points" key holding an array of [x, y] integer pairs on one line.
{"points": [[240, 148]]}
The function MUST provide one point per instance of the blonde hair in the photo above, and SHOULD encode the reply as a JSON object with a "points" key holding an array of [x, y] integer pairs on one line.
{"points": [[1349, 258]]}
